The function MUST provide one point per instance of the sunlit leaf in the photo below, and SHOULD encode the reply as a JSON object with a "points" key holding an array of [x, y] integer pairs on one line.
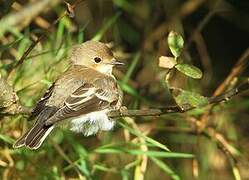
{"points": [[175, 42], [189, 70]]}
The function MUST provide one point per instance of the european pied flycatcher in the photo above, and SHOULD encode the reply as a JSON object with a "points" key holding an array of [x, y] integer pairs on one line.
{"points": [[80, 98]]}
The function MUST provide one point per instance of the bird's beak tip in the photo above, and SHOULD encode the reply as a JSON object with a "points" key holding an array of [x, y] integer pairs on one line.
{"points": [[115, 62], [118, 63]]}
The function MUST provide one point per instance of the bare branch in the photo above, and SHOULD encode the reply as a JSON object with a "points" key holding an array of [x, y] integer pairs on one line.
{"points": [[176, 109]]}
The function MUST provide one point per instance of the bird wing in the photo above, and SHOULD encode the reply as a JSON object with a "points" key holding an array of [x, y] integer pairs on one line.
{"points": [[40, 106], [87, 98]]}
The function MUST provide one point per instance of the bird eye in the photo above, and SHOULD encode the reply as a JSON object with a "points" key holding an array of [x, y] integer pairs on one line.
{"points": [[97, 59]]}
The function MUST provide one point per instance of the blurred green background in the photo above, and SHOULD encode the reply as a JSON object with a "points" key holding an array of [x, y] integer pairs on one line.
{"points": [[216, 35]]}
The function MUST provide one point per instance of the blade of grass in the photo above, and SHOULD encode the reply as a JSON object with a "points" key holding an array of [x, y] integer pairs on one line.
{"points": [[122, 144], [148, 139], [80, 37], [7, 139], [82, 153], [132, 67], [129, 90], [106, 26], [104, 168], [60, 32], [4, 47], [140, 152], [160, 154], [165, 168], [124, 4]]}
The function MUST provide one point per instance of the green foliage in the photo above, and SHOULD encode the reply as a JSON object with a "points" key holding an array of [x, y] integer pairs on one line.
{"points": [[165, 147], [187, 99], [175, 42], [189, 70]]}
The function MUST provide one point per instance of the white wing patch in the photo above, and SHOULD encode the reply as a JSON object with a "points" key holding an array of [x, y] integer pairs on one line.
{"points": [[105, 95], [91, 123], [84, 97], [89, 92]]}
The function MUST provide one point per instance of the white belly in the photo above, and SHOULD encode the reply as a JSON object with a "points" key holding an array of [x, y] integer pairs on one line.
{"points": [[91, 123]]}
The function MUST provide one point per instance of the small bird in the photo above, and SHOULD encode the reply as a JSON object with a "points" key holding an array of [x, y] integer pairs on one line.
{"points": [[80, 98]]}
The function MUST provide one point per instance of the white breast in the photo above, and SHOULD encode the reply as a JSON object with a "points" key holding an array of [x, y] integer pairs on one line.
{"points": [[91, 123]]}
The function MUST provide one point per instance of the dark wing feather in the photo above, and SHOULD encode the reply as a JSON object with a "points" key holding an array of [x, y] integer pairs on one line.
{"points": [[85, 99], [39, 107], [36, 135]]}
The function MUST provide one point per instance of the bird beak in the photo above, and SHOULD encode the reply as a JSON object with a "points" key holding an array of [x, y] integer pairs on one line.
{"points": [[115, 62]]}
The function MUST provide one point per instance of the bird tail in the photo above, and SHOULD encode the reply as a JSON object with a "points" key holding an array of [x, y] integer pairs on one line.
{"points": [[34, 138]]}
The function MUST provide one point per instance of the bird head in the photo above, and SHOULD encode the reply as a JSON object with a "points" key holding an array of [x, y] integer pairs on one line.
{"points": [[93, 54]]}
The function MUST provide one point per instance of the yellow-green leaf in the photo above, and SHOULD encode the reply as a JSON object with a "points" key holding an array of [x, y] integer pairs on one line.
{"points": [[187, 99], [175, 42], [189, 70]]}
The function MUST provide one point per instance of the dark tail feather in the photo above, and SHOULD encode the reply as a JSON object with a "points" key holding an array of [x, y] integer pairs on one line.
{"points": [[34, 138], [21, 141]]}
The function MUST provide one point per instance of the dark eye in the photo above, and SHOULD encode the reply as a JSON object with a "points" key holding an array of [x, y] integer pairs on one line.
{"points": [[97, 59]]}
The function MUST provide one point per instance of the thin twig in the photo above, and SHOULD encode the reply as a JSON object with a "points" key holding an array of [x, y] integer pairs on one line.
{"points": [[203, 23], [187, 8], [32, 46], [7, 93], [176, 109], [235, 72], [240, 66]]}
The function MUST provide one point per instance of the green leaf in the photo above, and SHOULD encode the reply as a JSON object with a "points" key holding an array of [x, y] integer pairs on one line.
{"points": [[175, 42], [140, 152], [187, 99], [104, 168], [189, 70], [160, 154], [60, 32]]}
